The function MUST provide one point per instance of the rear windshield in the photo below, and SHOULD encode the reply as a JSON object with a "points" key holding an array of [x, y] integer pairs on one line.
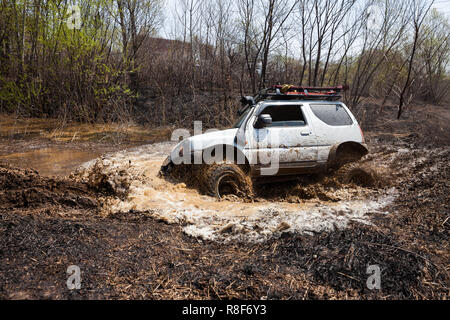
{"points": [[332, 114]]}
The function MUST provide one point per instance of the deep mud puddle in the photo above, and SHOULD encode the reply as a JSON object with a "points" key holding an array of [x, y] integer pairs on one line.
{"points": [[134, 174], [50, 161]]}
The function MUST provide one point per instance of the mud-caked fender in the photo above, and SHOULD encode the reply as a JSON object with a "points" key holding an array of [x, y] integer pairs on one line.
{"points": [[346, 152], [231, 153]]}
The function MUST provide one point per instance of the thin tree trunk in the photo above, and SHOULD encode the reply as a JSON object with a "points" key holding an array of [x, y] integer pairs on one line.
{"points": [[408, 78]]}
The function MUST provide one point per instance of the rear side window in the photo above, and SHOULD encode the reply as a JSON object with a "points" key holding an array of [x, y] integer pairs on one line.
{"points": [[285, 116], [332, 114]]}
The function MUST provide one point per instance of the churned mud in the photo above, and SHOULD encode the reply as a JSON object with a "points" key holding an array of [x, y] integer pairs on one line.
{"points": [[135, 235], [313, 204], [22, 189]]}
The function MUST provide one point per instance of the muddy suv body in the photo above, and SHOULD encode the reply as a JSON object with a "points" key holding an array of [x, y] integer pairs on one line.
{"points": [[278, 135]]}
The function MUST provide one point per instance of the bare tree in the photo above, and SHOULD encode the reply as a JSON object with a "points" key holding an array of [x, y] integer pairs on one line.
{"points": [[261, 27], [434, 55], [377, 43], [138, 19], [419, 11]]}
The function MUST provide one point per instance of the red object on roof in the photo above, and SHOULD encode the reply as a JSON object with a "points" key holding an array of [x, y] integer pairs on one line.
{"points": [[337, 88]]}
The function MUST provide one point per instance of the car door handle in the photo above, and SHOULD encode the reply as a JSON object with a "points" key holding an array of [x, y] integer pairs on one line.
{"points": [[306, 134]]}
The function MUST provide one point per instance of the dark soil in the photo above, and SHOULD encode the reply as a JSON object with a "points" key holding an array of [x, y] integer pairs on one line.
{"points": [[26, 190], [46, 225]]}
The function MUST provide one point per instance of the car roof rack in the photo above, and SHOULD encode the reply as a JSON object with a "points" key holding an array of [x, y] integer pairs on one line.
{"points": [[290, 92]]}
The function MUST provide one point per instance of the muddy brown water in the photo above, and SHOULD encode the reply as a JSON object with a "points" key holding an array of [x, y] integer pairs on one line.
{"points": [[54, 148], [52, 161], [134, 173]]}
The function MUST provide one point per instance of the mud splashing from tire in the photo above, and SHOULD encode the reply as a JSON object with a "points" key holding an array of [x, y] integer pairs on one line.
{"points": [[132, 176]]}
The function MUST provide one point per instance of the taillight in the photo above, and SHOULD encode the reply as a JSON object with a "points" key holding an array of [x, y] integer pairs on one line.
{"points": [[362, 134]]}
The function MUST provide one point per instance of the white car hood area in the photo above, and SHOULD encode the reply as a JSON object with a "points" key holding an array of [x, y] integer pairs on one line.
{"points": [[214, 138]]}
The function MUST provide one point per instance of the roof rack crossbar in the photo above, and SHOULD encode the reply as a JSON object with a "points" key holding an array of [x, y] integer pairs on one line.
{"points": [[299, 96], [336, 88], [288, 92]]}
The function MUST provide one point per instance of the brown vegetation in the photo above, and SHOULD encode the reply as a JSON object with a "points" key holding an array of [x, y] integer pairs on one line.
{"points": [[114, 68]]}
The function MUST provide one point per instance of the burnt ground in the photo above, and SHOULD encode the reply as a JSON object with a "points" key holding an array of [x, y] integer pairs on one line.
{"points": [[48, 224]]}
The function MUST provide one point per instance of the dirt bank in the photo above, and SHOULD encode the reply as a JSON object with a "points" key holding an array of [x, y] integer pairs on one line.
{"points": [[135, 236], [23, 190], [132, 255]]}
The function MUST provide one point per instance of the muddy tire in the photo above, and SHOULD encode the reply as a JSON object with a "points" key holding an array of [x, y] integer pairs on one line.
{"points": [[226, 179]]}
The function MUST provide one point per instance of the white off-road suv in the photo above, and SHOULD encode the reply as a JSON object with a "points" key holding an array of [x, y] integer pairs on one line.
{"points": [[282, 132]]}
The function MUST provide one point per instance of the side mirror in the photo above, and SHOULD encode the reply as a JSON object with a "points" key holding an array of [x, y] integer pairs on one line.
{"points": [[263, 121]]}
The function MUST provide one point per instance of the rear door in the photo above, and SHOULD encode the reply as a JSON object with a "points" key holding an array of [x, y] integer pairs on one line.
{"points": [[333, 124]]}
